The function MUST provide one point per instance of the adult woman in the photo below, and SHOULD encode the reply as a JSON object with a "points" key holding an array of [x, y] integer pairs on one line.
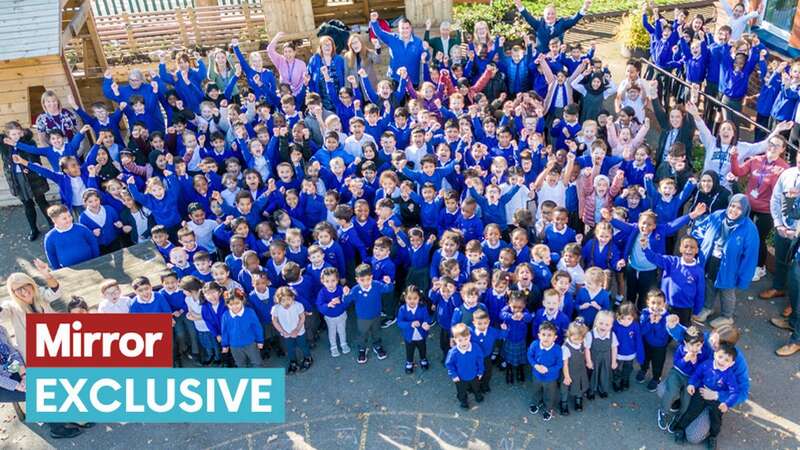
{"points": [[27, 186], [326, 56], [358, 56], [221, 70], [676, 126], [291, 70], [729, 251], [718, 149], [28, 297], [763, 171], [713, 195], [54, 117], [481, 35]]}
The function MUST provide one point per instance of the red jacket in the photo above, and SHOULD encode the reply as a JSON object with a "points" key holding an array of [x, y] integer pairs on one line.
{"points": [[763, 176]]}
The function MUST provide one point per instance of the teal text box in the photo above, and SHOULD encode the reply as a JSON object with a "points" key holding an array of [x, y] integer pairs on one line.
{"points": [[156, 395]]}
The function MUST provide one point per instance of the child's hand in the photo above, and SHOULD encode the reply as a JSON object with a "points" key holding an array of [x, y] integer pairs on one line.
{"points": [[219, 338], [578, 238], [224, 349], [19, 160], [260, 346], [614, 364], [415, 324], [346, 290], [605, 213], [426, 326], [723, 407], [690, 389], [583, 306], [672, 320], [127, 229], [456, 379], [503, 326], [620, 264], [540, 368], [567, 380], [96, 232], [644, 241]]}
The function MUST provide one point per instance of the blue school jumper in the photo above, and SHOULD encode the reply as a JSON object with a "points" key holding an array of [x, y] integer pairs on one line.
{"points": [[687, 367], [653, 334], [561, 321], [445, 307], [471, 227], [213, 318], [551, 358], [486, 341], [438, 258], [557, 240], [261, 303], [492, 253], [334, 255], [723, 382], [157, 305], [629, 340], [241, 330], [69, 247], [683, 284], [368, 301], [351, 245], [584, 297], [324, 296], [542, 276], [465, 366]]}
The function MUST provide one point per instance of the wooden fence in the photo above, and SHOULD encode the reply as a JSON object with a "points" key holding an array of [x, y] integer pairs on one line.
{"points": [[129, 34]]}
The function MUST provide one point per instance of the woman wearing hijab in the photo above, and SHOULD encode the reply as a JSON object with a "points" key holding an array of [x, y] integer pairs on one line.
{"points": [[715, 197], [598, 88], [729, 251]]}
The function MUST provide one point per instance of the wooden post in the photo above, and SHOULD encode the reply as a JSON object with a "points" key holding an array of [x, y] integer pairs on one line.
{"points": [[251, 34], [129, 31], [181, 27], [198, 38], [366, 11], [418, 11]]}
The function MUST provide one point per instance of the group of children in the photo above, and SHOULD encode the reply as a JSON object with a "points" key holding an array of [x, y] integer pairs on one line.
{"points": [[527, 222]]}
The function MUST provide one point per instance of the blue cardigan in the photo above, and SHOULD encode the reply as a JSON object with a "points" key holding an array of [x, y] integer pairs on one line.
{"points": [[108, 232], [740, 254], [213, 319], [405, 318]]}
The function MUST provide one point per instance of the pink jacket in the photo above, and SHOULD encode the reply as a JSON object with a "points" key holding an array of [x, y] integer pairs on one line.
{"points": [[586, 195]]}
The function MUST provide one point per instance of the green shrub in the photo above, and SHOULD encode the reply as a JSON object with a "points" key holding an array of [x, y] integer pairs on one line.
{"points": [[631, 32], [500, 11]]}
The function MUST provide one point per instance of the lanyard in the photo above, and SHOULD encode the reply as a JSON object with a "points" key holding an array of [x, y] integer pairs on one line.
{"points": [[291, 70], [765, 170]]}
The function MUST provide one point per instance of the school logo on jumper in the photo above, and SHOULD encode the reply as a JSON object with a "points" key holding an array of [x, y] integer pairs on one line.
{"points": [[118, 368]]}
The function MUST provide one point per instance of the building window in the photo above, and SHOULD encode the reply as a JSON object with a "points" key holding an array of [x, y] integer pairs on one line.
{"points": [[779, 17]]}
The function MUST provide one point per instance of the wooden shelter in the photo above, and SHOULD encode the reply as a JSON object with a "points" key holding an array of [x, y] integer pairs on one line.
{"points": [[34, 34]]}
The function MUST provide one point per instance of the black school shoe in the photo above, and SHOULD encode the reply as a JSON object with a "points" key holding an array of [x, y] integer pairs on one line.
{"points": [[34, 235], [590, 395], [292, 367], [711, 443], [652, 386], [533, 409], [64, 432], [464, 405], [602, 394], [409, 368], [424, 364], [547, 415], [578, 404], [564, 408], [641, 376], [478, 397], [307, 362], [362, 356], [380, 352]]}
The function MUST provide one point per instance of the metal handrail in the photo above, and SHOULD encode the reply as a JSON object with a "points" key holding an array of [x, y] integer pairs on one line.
{"points": [[707, 97]]}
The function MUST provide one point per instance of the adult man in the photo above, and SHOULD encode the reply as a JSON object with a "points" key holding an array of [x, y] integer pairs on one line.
{"points": [[406, 48], [550, 26], [786, 216], [446, 40]]}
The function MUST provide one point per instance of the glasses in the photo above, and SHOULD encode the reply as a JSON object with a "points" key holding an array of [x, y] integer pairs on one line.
{"points": [[21, 289]]}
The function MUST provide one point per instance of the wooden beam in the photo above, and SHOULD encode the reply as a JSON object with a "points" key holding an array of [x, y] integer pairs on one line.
{"points": [[77, 22]]}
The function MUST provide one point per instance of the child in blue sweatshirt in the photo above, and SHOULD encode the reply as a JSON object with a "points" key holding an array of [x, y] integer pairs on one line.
{"points": [[493, 205], [464, 365], [558, 234], [470, 294], [261, 299], [211, 311], [681, 279], [353, 247], [549, 312], [515, 326], [147, 301], [629, 345], [444, 300], [546, 360], [487, 338], [592, 298], [332, 307], [325, 235], [68, 243], [366, 295], [716, 375], [414, 323], [161, 200], [655, 337], [383, 266], [58, 148], [689, 354], [72, 179], [242, 333], [184, 342], [468, 221]]}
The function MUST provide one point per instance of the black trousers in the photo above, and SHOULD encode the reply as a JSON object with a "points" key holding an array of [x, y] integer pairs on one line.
{"points": [[696, 407], [622, 372], [444, 340], [30, 210], [420, 346], [764, 224], [654, 358], [487, 374], [465, 386], [684, 315], [637, 284]]}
